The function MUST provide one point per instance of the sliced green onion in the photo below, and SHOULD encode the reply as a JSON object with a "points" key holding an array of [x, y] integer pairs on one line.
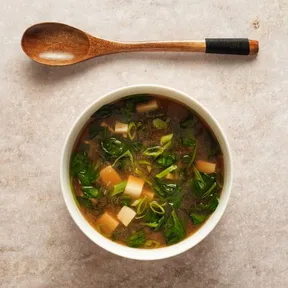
{"points": [[125, 154], [119, 188], [166, 171], [147, 163], [136, 202], [144, 162], [141, 216], [165, 139], [156, 207], [159, 124], [142, 206], [151, 244], [194, 154], [208, 192], [156, 150], [132, 130]]}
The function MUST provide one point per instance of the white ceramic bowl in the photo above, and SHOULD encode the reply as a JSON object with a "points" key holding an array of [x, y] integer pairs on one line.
{"points": [[89, 231]]}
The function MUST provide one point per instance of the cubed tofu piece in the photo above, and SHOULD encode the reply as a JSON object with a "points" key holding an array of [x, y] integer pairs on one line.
{"points": [[121, 128], [205, 167], [109, 177], [126, 215], [134, 187], [148, 193], [107, 224], [147, 107]]}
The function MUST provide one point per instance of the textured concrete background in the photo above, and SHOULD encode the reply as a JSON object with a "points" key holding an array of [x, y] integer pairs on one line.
{"points": [[40, 246]]}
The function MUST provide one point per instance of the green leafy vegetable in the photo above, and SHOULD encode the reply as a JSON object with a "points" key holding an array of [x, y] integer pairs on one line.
{"points": [[188, 122], [113, 147], [96, 130], [119, 188], [85, 202], [125, 154], [200, 212], [203, 184], [153, 220], [188, 142], [90, 192], [166, 159], [174, 230], [82, 167], [193, 156], [104, 112], [210, 190], [137, 239], [159, 124], [165, 139], [170, 192], [198, 218], [166, 171], [79, 163]]}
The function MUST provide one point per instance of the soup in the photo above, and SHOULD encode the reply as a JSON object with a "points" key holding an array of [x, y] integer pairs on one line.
{"points": [[146, 171]]}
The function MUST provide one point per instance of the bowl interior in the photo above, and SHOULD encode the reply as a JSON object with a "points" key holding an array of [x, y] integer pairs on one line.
{"points": [[89, 231]]}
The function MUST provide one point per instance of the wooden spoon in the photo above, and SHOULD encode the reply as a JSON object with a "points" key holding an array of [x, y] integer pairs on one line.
{"points": [[57, 44]]}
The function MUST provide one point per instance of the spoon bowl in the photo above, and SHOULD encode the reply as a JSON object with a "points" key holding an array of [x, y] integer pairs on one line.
{"points": [[55, 44]]}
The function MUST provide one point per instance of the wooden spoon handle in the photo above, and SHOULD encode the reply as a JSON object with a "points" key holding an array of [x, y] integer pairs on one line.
{"points": [[237, 46]]}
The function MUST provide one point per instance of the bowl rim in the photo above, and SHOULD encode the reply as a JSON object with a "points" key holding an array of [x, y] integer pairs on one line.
{"points": [[83, 224]]}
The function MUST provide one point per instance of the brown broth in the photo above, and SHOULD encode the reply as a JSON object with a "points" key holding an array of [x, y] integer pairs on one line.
{"points": [[172, 113]]}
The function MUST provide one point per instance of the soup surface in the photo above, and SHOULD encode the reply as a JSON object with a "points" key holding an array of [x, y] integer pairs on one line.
{"points": [[146, 171]]}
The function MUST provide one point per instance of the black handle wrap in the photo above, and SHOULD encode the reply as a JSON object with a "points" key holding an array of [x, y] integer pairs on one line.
{"points": [[237, 46]]}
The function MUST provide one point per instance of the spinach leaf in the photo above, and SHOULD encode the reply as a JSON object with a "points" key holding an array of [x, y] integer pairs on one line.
{"points": [[198, 218], [188, 122], [174, 230], [113, 147], [153, 220], [169, 192], [104, 112], [188, 141], [79, 163], [203, 185], [166, 159], [200, 212], [137, 239], [91, 192], [96, 130], [82, 167], [85, 203]]}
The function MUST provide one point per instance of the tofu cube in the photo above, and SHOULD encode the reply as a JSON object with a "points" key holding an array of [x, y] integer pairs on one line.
{"points": [[134, 187], [147, 107], [107, 224], [205, 167], [121, 128], [109, 177], [126, 215]]}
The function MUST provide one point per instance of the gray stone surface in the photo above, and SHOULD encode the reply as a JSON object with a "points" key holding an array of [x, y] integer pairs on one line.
{"points": [[40, 246]]}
